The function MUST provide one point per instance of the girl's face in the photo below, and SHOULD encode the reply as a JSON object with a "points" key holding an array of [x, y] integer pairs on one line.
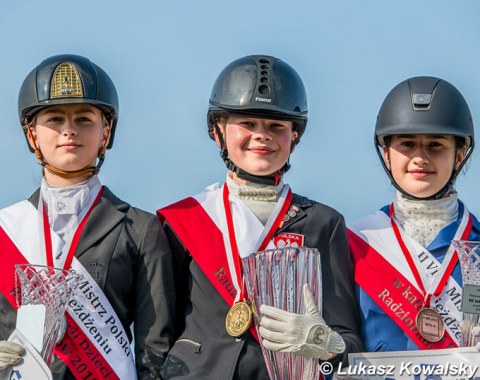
{"points": [[258, 146], [422, 164], [69, 135]]}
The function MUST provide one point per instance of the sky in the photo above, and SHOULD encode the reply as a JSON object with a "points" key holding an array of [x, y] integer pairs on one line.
{"points": [[164, 57]]}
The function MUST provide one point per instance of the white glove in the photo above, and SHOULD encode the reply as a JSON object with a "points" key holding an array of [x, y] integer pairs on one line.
{"points": [[306, 335], [476, 334], [10, 355]]}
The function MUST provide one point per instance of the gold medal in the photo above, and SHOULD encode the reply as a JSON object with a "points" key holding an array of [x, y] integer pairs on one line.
{"points": [[238, 319], [430, 324]]}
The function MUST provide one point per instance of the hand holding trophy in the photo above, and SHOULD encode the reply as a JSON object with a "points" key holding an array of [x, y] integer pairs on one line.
{"points": [[10, 355], [306, 334], [285, 289], [469, 257]]}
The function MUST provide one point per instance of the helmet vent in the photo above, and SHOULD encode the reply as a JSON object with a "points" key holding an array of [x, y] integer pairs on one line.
{"points": [[264, 74], [421, 101], [66, 82], [264, 89]]}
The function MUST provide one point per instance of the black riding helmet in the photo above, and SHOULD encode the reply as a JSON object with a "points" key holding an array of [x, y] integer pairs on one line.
{"points": [[425, 105], [259, 86], [67, 79]]}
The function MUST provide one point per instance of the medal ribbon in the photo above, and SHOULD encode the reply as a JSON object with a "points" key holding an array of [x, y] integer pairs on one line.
{"points": [[448, 263], [75, 238], [271, 226], [89, 352], [377, 276]]}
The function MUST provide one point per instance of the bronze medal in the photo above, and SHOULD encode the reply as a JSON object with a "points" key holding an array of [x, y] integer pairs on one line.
{"points": [[430, 324], [238, 319]]}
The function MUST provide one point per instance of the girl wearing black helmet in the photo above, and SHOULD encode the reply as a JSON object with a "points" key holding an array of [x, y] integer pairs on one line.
{"points": [[68, 107], [408, 277], [257, 114]]}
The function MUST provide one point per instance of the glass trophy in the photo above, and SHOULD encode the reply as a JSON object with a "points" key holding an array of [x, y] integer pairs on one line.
{"points": [[469, 258], [275, 277], [52, 288]]}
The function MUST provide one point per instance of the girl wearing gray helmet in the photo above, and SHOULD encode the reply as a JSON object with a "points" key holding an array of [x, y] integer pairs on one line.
{"points": [[409, 282], [68, 108], [257, 114]]}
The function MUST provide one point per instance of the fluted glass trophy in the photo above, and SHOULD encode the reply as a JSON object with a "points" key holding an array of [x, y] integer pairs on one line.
{"points": [[52, 288], [469, 257], [276, 277]]}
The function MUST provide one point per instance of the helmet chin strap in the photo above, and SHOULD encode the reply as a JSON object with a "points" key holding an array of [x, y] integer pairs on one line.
{"points": [[272, 179], [89, 170], [445, 190]]}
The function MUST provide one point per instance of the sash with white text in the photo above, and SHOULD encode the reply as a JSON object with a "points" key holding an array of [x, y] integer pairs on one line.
{"points": [[382, 272], [201, 225], [95, 345]]}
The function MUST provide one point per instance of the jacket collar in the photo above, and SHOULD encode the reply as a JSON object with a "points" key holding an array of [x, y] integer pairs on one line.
{"points": [[109, 211]]}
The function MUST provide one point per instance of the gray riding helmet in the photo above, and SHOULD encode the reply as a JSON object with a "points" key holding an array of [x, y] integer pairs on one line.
{"points": [[263, 86], [425, 105], [259, 86]]}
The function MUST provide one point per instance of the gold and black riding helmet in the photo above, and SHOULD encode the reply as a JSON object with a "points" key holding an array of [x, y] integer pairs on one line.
{"points": [[68, 79]]}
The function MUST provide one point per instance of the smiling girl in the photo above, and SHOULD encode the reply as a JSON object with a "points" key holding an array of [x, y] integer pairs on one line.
{"points": [[257, 115], [408, 277]]}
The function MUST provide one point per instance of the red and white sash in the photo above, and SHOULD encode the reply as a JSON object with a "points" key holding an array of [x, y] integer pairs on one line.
{"points": [[382, 271], [95, 345], [202, 224]]}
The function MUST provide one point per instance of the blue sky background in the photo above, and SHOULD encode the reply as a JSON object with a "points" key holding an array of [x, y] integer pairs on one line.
{"points": [[164, 57]]}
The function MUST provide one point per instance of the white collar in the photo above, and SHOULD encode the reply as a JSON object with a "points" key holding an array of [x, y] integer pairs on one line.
{"points": [[254, 191], [69, 199], [423, 219]]}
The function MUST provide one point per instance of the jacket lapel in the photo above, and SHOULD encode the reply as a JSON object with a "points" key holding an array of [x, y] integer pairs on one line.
{"points": [[297, 214], [34, 198], [104, 217]]}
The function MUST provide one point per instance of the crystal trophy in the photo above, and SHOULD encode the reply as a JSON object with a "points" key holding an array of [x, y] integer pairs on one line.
{"points": [[469, 257], [52, 288], [275, 277]]}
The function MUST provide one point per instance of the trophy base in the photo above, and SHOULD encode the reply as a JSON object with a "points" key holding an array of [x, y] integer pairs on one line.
{"points": [[33, 366]]}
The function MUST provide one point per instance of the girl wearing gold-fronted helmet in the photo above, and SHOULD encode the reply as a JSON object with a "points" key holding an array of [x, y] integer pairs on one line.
{"points": [[68, 108]]}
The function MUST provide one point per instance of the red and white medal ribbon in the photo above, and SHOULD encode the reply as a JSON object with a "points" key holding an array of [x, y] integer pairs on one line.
{"points": [[95, 344], [230, 240], [74, 238], [434, 288]]}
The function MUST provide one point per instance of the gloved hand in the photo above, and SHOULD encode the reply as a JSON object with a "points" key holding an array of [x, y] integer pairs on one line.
{"points": [[10, 355], [306, 335], [476, 334]]}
